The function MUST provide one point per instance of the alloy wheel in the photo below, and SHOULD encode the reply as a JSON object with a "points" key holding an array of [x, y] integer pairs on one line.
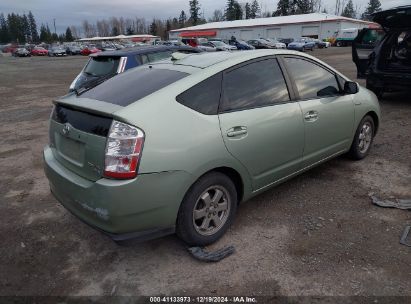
{"points": [[211, 210], [365, 137]]}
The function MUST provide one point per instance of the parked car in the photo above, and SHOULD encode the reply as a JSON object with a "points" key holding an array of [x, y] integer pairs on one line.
{"points": [[175, 147], [39, 51], [319, 44], [104, 65], [241, 45], [222, 46], [57, 51], [286, 41], [383, 56], [207, 47], [9, 48], [21, 52], [259, 44], [73, 50], [89, 50], [277, 44], [302, 45]]}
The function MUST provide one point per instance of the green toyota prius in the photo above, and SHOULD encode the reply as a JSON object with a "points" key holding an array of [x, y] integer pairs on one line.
{"points": [[176, 146]]}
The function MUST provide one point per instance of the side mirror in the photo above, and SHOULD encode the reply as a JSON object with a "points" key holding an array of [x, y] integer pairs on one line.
{"points": [[350, 87]]}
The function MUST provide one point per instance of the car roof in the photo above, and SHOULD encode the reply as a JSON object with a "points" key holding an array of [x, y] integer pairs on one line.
{"points": [[142, 50], [224, 60]]}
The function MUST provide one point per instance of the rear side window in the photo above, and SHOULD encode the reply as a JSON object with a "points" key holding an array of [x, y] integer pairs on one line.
{"points": [[312, 81], [133, 85], [203, 97], [102, 65], [254, 85]]}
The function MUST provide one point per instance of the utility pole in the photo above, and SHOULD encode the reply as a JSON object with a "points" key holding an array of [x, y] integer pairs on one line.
{"points": [[54, 22]]}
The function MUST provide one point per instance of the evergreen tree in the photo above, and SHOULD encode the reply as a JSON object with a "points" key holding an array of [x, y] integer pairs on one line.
{"points": [[230, 11], [373, 7], [174, 23], [283, 8], [153, 28], [54, 37], [194, 11], [4, 30], [33, 28], [69, 36], [255, 10], [304, 6], [129, 30], [25, 27], [349, 10], [115, 31], [182, 19], [247, 11], [238, 11], [43, 33], [167, 29], [49, 35]]}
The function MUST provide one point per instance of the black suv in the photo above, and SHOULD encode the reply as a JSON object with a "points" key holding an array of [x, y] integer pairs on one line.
{"points": [[383, 56]]}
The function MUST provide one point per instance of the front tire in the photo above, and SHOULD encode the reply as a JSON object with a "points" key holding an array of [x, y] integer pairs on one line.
{"points": [[363, 139], [207, 210]]}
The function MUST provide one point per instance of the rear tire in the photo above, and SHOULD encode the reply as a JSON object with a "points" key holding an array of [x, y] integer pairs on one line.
{"points": [[363, 139], [207, 210]]}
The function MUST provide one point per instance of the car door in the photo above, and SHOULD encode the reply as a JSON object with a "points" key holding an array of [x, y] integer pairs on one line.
{"points": [[362, 48], [328, 114], [260, 126]]}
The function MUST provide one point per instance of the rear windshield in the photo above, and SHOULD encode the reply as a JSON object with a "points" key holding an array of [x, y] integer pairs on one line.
{"points": [[102, 65], [133, 85]]}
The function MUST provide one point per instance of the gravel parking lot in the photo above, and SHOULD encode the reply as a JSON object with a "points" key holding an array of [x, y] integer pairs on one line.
{"points": [[317, 234]]}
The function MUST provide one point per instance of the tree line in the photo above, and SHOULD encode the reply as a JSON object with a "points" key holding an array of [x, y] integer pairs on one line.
{"points": [[23, 28]]}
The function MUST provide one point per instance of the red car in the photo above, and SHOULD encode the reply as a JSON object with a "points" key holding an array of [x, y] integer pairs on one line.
{"points": [[87, 51], [39, 51]]}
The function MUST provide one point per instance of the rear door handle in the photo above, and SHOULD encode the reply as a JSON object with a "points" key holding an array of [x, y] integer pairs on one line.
{"points": [[311, 116], [237, 131]]}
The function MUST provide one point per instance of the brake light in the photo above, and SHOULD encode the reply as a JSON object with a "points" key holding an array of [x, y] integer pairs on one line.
{"points": [[123, 150]]}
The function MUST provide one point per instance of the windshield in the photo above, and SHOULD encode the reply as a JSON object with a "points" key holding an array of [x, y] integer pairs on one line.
{"points": [[218, 43], [99, 66]]}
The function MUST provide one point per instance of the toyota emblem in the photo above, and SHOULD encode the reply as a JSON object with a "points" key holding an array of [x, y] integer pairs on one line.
{"points": [[66, 129]]}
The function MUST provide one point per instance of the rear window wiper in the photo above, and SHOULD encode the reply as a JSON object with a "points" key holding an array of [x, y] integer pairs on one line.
{"points": [[93, 84]]}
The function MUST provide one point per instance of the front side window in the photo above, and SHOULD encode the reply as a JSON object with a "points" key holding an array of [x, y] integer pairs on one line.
{"points": [[312, 81], [253, 85]]}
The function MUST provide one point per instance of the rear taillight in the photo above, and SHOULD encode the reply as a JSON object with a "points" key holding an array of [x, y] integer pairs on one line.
{"points": [[123, 150]]}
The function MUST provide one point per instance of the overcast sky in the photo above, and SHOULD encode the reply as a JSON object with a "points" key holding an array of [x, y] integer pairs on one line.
{"points": [[72, 12]]}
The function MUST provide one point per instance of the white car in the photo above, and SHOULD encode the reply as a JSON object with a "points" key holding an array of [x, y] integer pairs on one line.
{"points": [[277, 44], [207, 47], [221, 46]]}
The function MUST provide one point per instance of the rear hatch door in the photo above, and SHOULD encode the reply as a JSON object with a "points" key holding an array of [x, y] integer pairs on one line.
{"points": [[78, 134], [396, 18]]}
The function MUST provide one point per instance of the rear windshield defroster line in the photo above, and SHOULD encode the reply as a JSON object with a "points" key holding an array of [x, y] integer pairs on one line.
{"points": [[133, 85]]}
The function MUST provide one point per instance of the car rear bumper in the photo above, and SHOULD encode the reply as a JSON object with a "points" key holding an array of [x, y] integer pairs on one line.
{"points": [[143, 208]]}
